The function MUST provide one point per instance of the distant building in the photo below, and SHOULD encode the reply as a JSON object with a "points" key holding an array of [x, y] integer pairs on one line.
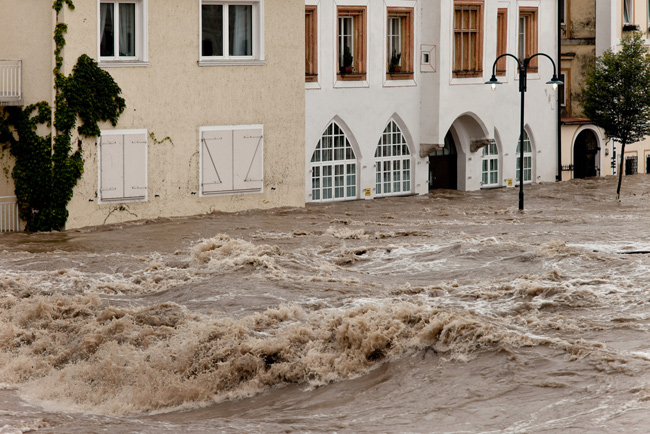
{"points": [[375, 131], [589, 28], [221, 80]]}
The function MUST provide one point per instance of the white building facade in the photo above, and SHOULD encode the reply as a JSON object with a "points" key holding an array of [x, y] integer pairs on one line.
{"points": [[362, 113], [372, 131]]}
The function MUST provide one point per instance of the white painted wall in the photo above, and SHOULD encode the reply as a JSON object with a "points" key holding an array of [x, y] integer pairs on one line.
{"points": [[363, 108], [475, 111]]}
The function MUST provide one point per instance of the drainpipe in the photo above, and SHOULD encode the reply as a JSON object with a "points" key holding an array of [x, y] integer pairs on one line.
{"points": [[560, 11]]}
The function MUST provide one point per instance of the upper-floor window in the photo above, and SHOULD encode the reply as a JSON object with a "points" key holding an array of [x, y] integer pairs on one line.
{"points": [[351, 42], [628, 17], [311, 43], [122, 30], [468, 38], [528, 36], [502, 39], [231, 30], [399, 46]]}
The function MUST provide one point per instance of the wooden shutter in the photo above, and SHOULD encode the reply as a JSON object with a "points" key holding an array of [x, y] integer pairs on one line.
{"points": [[217, 161], [135, 165], [112, 167], [247, 163]]}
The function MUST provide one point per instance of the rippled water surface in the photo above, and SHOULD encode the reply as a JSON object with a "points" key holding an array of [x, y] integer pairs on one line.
{"points": [[447, 313]]}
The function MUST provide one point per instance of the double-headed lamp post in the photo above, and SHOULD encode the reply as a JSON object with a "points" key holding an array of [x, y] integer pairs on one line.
{"points": [[523, 68]]}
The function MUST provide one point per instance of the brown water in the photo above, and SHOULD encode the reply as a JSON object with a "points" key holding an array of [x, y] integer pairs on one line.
{"points": [[447, 313]]}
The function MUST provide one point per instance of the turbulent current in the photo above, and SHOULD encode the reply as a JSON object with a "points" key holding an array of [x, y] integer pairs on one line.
{"points": [[447, 313]]}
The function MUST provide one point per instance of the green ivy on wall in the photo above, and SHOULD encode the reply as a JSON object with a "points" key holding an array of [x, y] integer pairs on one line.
{"points": [[46, 169]]}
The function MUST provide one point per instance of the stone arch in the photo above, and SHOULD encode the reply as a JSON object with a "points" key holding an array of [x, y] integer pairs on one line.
{"points": [[586, 153]]}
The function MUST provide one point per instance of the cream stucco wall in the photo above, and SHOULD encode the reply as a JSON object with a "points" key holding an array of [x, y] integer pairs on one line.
{"points": [[172, 96], [26, 33]]}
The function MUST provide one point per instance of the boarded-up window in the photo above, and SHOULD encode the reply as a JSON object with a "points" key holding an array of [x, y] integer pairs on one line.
{"points": [[468, 38], [311, 44], [231, 159], [502, 39], [123, 165]]}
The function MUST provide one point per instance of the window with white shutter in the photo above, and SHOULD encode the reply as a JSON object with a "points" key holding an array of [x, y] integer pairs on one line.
{"points": [[122, 165], [231, 159]]}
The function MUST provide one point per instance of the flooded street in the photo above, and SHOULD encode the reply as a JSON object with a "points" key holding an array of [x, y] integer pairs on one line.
{"points": [[446, 313]]}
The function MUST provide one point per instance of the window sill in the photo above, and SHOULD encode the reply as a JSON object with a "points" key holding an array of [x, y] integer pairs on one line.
{"points": [[389, 82], [230, 62], [312, 85], [122, 200], [122, 63], [230, 192], [349, 84]]}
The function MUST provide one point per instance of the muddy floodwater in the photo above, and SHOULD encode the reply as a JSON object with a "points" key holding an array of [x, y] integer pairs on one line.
{"points": [[451, 312]]}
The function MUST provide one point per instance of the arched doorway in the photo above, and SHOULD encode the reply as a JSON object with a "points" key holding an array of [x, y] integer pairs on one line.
{"points": [[443, 166], [585, 151]]}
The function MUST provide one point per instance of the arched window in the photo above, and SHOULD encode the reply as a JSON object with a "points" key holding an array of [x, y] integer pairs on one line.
{"points": [[392, 163], [333, 167], [490, 165], [528, 159]]}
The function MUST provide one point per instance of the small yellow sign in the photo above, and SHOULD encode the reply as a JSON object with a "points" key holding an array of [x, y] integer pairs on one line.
{"points": [[509, 182], [367, 192]]}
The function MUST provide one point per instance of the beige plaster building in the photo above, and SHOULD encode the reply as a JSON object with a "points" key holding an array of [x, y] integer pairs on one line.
{"points": [[589, 28], [214, 92]]}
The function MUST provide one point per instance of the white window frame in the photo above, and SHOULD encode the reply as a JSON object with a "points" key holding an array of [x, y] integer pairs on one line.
{"points": [[257, 57], [490, 165], [333, 164], [250, 179], [387, 166], [528, 159], [135, 196], [628, 5], [141, 57], [394, 38]]}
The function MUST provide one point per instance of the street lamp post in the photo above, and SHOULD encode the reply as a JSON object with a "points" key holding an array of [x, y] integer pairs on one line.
{"points": [[523, 70]]}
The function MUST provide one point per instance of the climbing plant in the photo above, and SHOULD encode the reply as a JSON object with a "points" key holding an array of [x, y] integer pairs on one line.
{"points": [[46, 168]]}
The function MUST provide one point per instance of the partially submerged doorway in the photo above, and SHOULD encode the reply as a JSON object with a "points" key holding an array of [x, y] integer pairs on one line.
{"points": [[443, 166], [585, 153]]}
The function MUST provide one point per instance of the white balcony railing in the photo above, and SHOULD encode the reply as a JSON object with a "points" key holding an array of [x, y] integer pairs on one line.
{"points": [[9, 219], [11, 92]]}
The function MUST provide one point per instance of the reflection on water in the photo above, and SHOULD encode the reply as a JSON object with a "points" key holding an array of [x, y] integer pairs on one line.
{"points": [[452, 312]]}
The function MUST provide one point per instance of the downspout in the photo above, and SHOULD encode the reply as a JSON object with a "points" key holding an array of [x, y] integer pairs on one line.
{"points": [[560, 11]]}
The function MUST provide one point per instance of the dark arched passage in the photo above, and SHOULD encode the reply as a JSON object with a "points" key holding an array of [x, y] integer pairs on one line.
{"points": [[585, 151], [443, 166]]}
